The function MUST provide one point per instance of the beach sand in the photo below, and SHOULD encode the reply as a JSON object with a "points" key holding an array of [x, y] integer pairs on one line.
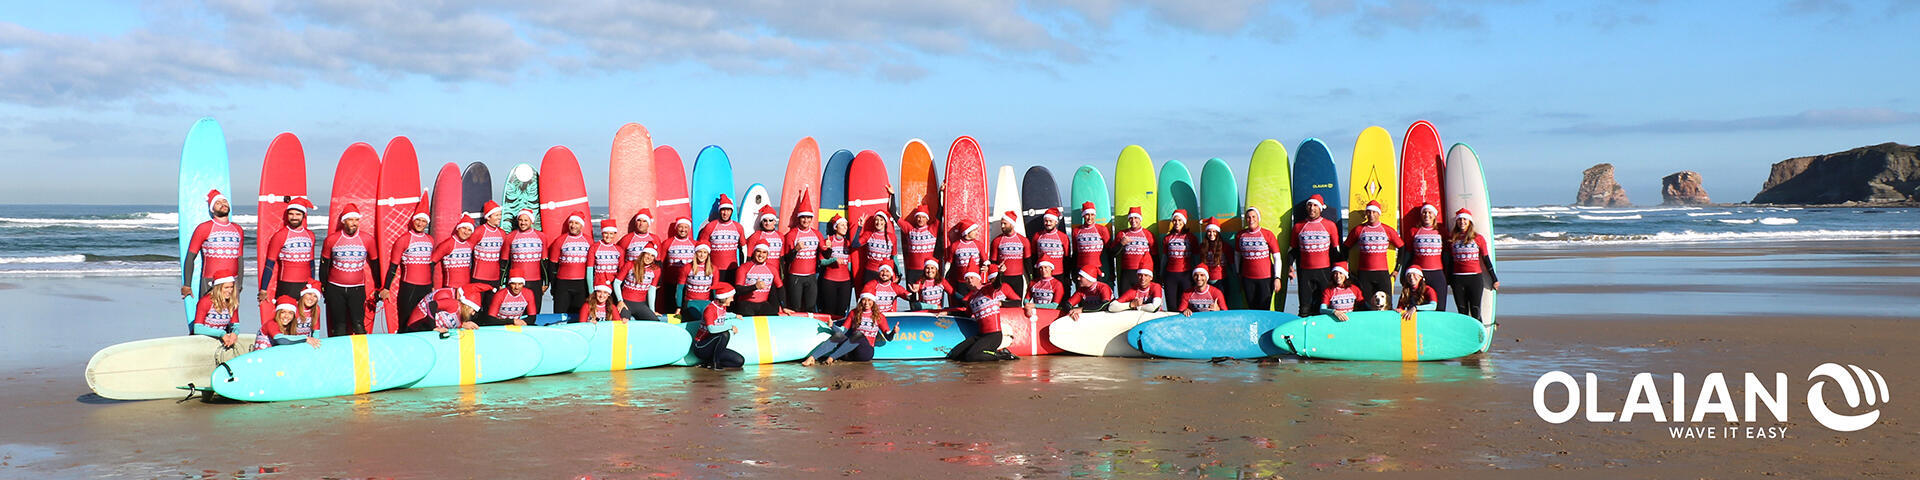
{"points": [[1049, 417]]}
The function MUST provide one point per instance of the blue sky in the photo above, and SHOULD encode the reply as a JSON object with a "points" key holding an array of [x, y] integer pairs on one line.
{"points": [[96, 96]]}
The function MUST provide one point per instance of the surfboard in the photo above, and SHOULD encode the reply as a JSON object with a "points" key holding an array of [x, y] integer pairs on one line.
{"points": [[522, 194], [1028, 336], [1314, 174], [867, 183], [1089, 186], [1006, 199], [1100, 334], [356, 182], [1177, 192], [476, 189], [563, 192], [965, 196], [399, 197], [1375, 178], [1220, 195], [1465, 185], [919, 182], [765, 340], [1206, 335], [156, 367], [448, 193], [924, 336], [1133, 186], [833, 190], [670, 189], [349, 365], [712, 177], [751, 200], [803, 175], [203, 167], [625, 345], [1382, 336], [630, 182], [283, 178], [1038, 192], [1421, 162], [469, 357], [561, 350], [1270, 189]]}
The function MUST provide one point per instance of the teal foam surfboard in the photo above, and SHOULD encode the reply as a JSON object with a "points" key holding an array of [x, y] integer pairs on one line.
{"points": [[1205, 335], [712, 177], [626, 345], [339, 366], [1382, 336], [764, 340], [1090, 186], [923, 336], [203, 167], [561, 350], [1177, 192], [469, 357], [1220, 200]]}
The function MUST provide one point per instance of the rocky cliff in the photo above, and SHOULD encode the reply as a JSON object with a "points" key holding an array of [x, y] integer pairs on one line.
{"points": [[1683, 188], [1888, 172], [1597, 189]]}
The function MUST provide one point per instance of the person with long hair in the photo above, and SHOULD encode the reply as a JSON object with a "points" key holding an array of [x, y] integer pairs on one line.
{"points": [[856, 336], [218, 312], [1214, 254], [969, 256], [1470, 264], [875, 246], [932, 292], [600, 306], [836, 280], [1415, 293], [1427, 242], [697, 280], [293, 321], [640, 285], [678, 251], [1341, 297]]}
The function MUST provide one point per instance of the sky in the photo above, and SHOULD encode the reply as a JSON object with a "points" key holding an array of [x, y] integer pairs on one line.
{"points": [[96, 96]]}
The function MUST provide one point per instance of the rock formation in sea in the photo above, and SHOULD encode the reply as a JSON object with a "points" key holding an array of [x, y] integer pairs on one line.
{"points": [[1597, 189], [1683, 188], [1888, 172]]}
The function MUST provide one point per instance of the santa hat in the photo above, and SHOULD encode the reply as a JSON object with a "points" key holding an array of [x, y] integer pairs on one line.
{"points": [[835, 220], [524, 212], [602, 288], [683, 221], [224, 280], [967, 226], [761, 247], [312, 287], [493, 207], [1202, 272], [1011, 217], [1340, 267], [1429, 208], [465, 222], [300, 204], [804, 206], [607, 225], [1374, 206], [882, 215], [1180, 214], [1088, 274], [886, 267], [932, 263], [702, 247], [516, 280], [922, 211], [423, 210], [768, 213], [1053, 213], [1144, 271], [285, 303], [1133, 212], [1086, 208], [725, 203], [1253, 210], [1316, 200], [449, 299], [1044, 264], [643, 214], [722, 291], [214, 195], [869, 296], [1414, 272], [577, 217], [1463, 214], [349, 211], [650, 251], [470, 295], [1213, 224], [971, 275]]}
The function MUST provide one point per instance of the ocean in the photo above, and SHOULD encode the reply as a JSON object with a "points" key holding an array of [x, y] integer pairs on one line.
{"points": [[141, 240]]}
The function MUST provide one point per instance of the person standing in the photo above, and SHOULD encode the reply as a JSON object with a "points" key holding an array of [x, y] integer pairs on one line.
{"points": [[1133, 249], [1316, 243], [679, 252], [409, 275], [802, 257], [1010, 253], [489, 251], [836, 281], [1471, 265], [725, 236], [216, 245], [1370, 243], [1050, 245], [875, 247], [454, 255], [526, 252], [1177, 257], [969, 256], [921, 240], [1257, 248], [606, 257], [291, 262], [345, 266], [1090, 243], [566, 258]]}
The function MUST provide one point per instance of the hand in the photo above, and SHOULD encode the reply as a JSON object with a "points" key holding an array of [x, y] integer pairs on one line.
{"points": [[733, 330], [229, 339], [1029, 310], [186, 291], [1496, 285], [519, 322], [1135, 303], [262, 295], [315, 342], [1290, 273], [1339, 316], [384, 295], [469, 325], [1187, 312], [1279, 285], [760, 285]]}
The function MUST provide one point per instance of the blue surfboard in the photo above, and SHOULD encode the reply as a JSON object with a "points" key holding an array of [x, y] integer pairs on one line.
{"points": [[833, 187], [1382, 336], [1205, 335], [349, 365], [560, 350], [1314, 173], [470, 357], [203, 167], [712, 177], [924, 336]]}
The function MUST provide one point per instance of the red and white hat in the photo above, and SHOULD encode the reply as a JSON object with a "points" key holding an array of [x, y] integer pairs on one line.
{"points": [[423, 210], [869, 296], [313, 287], [577, 217], [1088, 275], [1144, 271], [284, 303], [470, 294], [1086, 208], [836, 220], [493, 207], [702, 246], [643, 214], [349, 211], [1252, 209], [1011, 217], [607, 225], [1429, 208], [1316, 200], [650, 251], [1415, 272], [1374, 206], [1044, 264], [971, 275], [804, 206], [300, 204], [1213, 224], [516, 280], [886, 267], [1340, 267], [761, 247], [725, 203], [922, 211], [683, 220], [1463, 214], [603, 288], [967, 226], [524, 212], [1053, 213], [1180, 214], [722, 291], [214, 195], [466, 222], [224, 280], [768, 213], [932, 263], [1133, 212]]}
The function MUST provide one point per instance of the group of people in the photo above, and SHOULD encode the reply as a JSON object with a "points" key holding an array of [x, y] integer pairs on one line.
{"points": [[499, 273]]}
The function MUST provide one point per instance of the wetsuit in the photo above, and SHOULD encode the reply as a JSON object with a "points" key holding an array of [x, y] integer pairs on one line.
{"points": [[1423, 298], [1090, 299], [1203, 298], [489, 249], [725, 236], [411, 265], [217, 244], [854, 338], [1152, 298], [675, 254], [1370, 244], [1316, 243], [1177, 259], [1010, 253], [874, 249], [750, 301], [567, 260], [969, 256], [455, 258], [802, 257], [291, 264], [696, 290], [1429, 252], [635, 287], [346, 267], [1472, 272], [1047, 292], [836, 284], [1133, 251], [1340, 299], [604, 261], [1256, 250], [887, 295], [525, 250], [930, 294], [1051, 246], [440, 308], [604, 312], [984, 305], [507, 307], [775, 243], [919, 244], [1089, 249], [710, 342]]}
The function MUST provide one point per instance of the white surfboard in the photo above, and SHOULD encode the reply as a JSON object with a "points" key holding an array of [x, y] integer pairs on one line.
{"points": [[1100, 334], [1465, 185], [750, 204], [1006, 198], [157, 367]]}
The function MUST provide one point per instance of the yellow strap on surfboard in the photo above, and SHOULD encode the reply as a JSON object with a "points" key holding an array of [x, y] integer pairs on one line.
{"points": [[362, 365], [469, 358], [1409, 336], [618, 360], [764, 335]]}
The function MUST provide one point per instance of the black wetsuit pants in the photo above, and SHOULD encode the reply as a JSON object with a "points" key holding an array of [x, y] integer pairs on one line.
{"points": [[346, 310]]}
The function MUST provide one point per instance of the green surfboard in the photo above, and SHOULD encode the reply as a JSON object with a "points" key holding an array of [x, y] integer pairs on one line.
{"points": [[1270, 189], [1133, 186], [1382, 336], [1177, 192], [522, 192], [1090, 186], [1220, 199]]}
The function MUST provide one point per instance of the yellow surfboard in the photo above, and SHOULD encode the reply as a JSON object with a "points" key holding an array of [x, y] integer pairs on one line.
{"points": [[1133, 185], [1374, 178]]}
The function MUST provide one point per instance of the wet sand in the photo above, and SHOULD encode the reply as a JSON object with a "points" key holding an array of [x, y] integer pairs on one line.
{"points": [[1044, 417]]}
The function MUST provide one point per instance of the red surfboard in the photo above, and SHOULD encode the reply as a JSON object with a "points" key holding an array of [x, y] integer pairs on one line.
{"points": [[1421, 161], [964, 197], [448, 192], [803, 175], [1029, 336], [394, 209], [867, 183], [563, 191], [356, 182], [670, 188], [283, 178], [630, 182]]}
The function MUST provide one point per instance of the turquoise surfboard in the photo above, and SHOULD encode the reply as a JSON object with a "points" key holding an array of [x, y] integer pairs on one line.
{"points": [[469, 357], [561, 350], [764, 340], [1220, 199], [521, 192], [1090, 186], [923, 336], [626, 345], [339, 366], [712, 177], [1206, 335], [1177, 192], [1314, 174], [1382, 336], [203, 167]]}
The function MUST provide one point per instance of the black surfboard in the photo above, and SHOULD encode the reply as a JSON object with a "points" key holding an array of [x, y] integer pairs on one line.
{"points": [[1038, 192], [476, 189]]}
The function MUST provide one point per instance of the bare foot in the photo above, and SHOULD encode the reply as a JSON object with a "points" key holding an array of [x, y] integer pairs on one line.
{"points": [[807, 363]]}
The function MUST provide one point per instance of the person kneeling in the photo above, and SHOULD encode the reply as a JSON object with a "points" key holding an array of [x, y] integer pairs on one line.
{"points": [[1340, 298], [710, 344], [855, 338], [984, 304], [448, 309], [1145, 295]]}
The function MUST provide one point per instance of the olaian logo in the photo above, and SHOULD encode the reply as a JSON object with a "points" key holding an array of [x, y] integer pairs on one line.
{"points": [[1861, 388]]}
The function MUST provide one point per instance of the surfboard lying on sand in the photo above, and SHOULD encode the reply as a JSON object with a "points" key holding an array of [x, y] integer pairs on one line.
{"points": [[626, 345], [764, 340], [561, 350], [1382, 336], [339, 366], [924, 336], [1206, 335], [155, 367], [1100, 334], [468, 357]]}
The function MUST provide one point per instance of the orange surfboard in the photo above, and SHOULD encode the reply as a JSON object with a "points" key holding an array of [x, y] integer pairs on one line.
{"points": [[630, 180], [919, 182], [803, 175]]}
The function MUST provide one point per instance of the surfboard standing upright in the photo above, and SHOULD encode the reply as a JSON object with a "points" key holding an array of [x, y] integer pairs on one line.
{"points": [[1466, 187], [476, 189], [203, 167], [803, 175], [399, 194], [712, 177], [965, 195], [919, 182], [283, 178], [1314, 174], [563, 192], [1220, 199], [630, 179], [356, 183], [833, 189], [448, 195], [1420, 165], [1375, 179], [1270, 190], [670, 189], [866, 190], [1177, 191], [1006, 200], [1133, 186], [1039, 192]]}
